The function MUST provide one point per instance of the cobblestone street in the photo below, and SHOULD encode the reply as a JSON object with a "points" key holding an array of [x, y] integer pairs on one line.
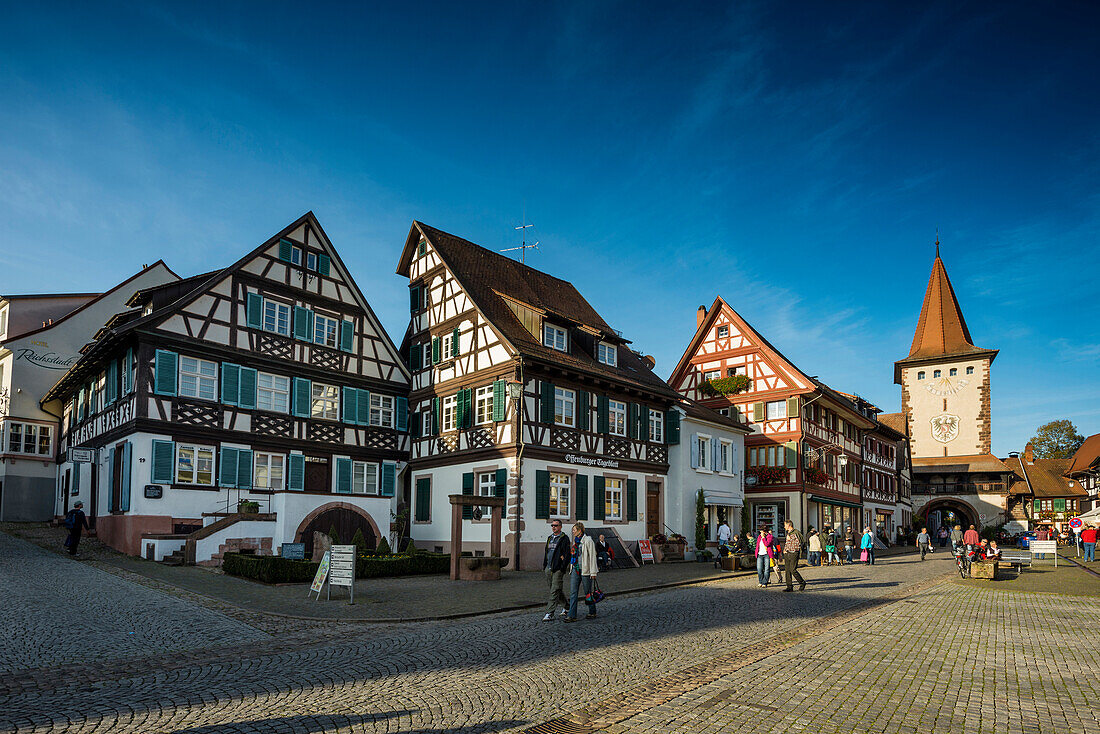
{"points": [[888, 648]]}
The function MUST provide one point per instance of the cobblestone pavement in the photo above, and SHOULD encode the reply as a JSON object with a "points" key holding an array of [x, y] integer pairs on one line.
{"points": [[58, 611], [508, 672]]}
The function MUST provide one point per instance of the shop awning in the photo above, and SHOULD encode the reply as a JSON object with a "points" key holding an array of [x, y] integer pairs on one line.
{"points": [[838, 503], [722, 498]]}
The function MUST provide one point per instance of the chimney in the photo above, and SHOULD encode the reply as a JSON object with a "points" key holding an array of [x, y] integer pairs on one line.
{"points": [[700, 315], [1029, 453], [649, 360]]}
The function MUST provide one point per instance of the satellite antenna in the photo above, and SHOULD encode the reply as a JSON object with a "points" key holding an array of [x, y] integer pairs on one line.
{"points": [[523, 247]]}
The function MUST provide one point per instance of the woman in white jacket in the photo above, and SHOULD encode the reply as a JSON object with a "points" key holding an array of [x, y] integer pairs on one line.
{"points": [[582, 573]]}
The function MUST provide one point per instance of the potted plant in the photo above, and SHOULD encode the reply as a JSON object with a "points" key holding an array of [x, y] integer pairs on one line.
{"points": [[248, 507], [726, 385]]}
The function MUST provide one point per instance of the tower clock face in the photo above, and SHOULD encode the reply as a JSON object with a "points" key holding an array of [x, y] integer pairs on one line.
{"points": [[946, 385]]}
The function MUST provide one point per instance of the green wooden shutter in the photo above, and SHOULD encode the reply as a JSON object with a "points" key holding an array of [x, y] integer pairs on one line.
{"points": [[244, 469], [343, 476], [468, 489], [757, 412], [416, 424], [792, 407], [542, 495], [128, 372], [465, 413], [76, 479], [227, 467], [231, 383], [324, 264], [546, 402], [362, 407], [347, 336], [435, 350], [248, 388], [414, 299], [164, 457], [581, 503], [584, 411], [455, 342], [599, 498], [284, 250], [672, 427], [302, 399], [500, 488], [435, 416], [416, 357], [1035, 506], [254, 307], [792, 454], [124, 485], [423, 499], [111, 463], [165, 372], [631, 499], [389, 478], [296, 472], [303, 324], [112, 381], [632, 410], [348, 405], [80, 405], [500, 399], [643, 422], [1060, 505], [401, 411], [603, 422]]}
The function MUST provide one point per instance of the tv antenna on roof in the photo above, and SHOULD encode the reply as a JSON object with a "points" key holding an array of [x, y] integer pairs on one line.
{"points": [[523, 243]]}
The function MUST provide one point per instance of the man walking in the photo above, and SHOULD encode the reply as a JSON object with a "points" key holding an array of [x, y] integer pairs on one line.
{"points": [[76, 521], [1088, 540], [957, 536], [971, 537], [556, 563], [924, 542], [723, 534], [849, 543], [792, 549]]}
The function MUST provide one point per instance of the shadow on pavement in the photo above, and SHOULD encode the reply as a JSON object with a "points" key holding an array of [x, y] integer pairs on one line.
{"points": [[310, 724]]}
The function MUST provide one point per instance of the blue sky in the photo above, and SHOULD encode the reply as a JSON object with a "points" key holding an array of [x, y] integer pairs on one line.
{"points": [[795, 158]]}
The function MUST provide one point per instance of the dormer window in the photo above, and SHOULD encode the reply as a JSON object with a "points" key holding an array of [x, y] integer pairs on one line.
{"points": [[555, 337], [608, 354]]}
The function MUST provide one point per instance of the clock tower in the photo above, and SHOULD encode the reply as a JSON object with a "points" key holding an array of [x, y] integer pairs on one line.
{"points": [[945, 379]]}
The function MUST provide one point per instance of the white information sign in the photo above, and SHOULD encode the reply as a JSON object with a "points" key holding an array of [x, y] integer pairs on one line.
{"points": [[1044, 548], [82, 456], [342, 568]]}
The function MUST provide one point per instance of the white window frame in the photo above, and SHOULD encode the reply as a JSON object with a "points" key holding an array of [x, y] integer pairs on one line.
{"points": [[426, 423], [702, 443], [608, 354], [485, 486], [267, 465], [201, 379], [311, 261], [483, 405], [561, 495], [326, 330], [718, 332], [35, 429], [613, 498], [278, 309], [381, 410], [565, 398], [362, 472], [295, 255], [426, 362], [656, 426], [448, 420], [725, 462], [780, 407], [555, 337], [196, 450], [616, 417], [322, 405], [446, 347], [712, 375], [277, 392], [737, 369]]}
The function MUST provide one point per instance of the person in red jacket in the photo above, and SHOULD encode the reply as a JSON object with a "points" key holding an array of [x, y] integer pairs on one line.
{"points": [[1088, 539], [971, 537]]}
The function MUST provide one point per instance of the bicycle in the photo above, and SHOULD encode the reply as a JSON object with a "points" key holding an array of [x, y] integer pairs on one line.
{"points": [[962, 561]]}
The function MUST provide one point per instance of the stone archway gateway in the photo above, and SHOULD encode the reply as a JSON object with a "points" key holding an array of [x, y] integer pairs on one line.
{"points": [[949, 511], [345, 517]]}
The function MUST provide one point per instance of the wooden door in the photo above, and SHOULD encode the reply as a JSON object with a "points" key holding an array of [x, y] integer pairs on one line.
{"points": [[116, 479], [317, 476], [652, 512]]}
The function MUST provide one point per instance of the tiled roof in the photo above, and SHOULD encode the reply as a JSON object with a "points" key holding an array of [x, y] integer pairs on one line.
{"points": [[486, 276], [972, 463], [941, 329], [1087, 456], [895, 421], [1044, 476]]}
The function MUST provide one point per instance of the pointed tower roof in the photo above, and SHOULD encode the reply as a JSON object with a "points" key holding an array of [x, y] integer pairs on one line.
{"points": [[941, 329]]}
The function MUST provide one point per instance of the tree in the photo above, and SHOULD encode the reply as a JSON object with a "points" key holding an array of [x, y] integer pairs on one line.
{"points": [[700, 522], [335, 536], [383, 548], [360, 542], [1056, 440]]}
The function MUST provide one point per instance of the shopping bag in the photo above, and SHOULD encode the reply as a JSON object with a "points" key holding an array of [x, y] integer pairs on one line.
{"points": [[863, 556]]}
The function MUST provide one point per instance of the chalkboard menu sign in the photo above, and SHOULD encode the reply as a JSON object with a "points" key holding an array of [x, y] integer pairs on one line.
{"points": [[293, 551]]}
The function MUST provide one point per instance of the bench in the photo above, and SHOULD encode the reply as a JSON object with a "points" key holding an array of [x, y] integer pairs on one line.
{"points": [[1015, 559]]}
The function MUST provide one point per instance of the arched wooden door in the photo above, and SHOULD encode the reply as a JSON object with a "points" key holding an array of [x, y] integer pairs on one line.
{"points": [[346, 522]]}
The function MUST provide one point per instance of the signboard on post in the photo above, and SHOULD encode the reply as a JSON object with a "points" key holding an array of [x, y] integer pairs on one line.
{"points": [[342, 569], [1076, 523], [1044, 548], [319, 577], [646, 549], [293, 551], [82, 456]]}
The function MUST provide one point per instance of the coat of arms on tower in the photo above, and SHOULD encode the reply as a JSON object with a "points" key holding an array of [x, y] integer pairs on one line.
{"points": [[945, 427]]}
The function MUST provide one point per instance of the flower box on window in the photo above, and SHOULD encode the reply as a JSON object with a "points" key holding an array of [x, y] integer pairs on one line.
{"points": [[726, 385]]}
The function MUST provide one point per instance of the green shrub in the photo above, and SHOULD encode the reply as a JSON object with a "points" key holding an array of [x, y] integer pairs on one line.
{"points": [[410, 548], [360, 542], [333, 535], [405, 565], [269, 569], [383, 548]]}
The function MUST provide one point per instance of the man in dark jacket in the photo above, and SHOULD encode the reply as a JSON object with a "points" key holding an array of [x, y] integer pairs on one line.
{"points": [[555, 562], [792, 549], [75, 521]]}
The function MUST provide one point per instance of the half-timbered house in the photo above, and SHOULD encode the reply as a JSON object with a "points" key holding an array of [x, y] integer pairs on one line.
{"points": [[270, 381], [805, 451], [520, 389]]}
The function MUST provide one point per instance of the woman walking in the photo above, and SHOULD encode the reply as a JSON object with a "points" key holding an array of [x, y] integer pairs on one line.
{"points": [[813, 543], [764, 542], [867, 546], [831, 557], [582, 573]]}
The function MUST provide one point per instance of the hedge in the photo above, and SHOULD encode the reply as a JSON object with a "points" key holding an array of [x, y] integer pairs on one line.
{"points": [[278, 570]]}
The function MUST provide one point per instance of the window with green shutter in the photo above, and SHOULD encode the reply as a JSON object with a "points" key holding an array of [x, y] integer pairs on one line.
{"points": [[164, 459], [416, 352], [672, 427], [468, 489], [247, 398], [423, 499], [343, 476], [500, 489], [285, 249], [302, 399], [599, 498], [389, 479], [112, 382], [792, 407], [631, 499], [124, 488], [435, 416], [347, 336], [500, 399], [584, 411], [435, 350], [362, 407], [454, 343], [401, 411], [324, 264], [227, 467], [546, 402], [231, 383], [792, 454], [582, 497], [244, 469], [542, 495], [1035, 506], [603, 424], [414, 298], [349, 405], [165, 372], [303, 324], [1060, 505], [128, 372], [296, 472], [254, 307]]}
